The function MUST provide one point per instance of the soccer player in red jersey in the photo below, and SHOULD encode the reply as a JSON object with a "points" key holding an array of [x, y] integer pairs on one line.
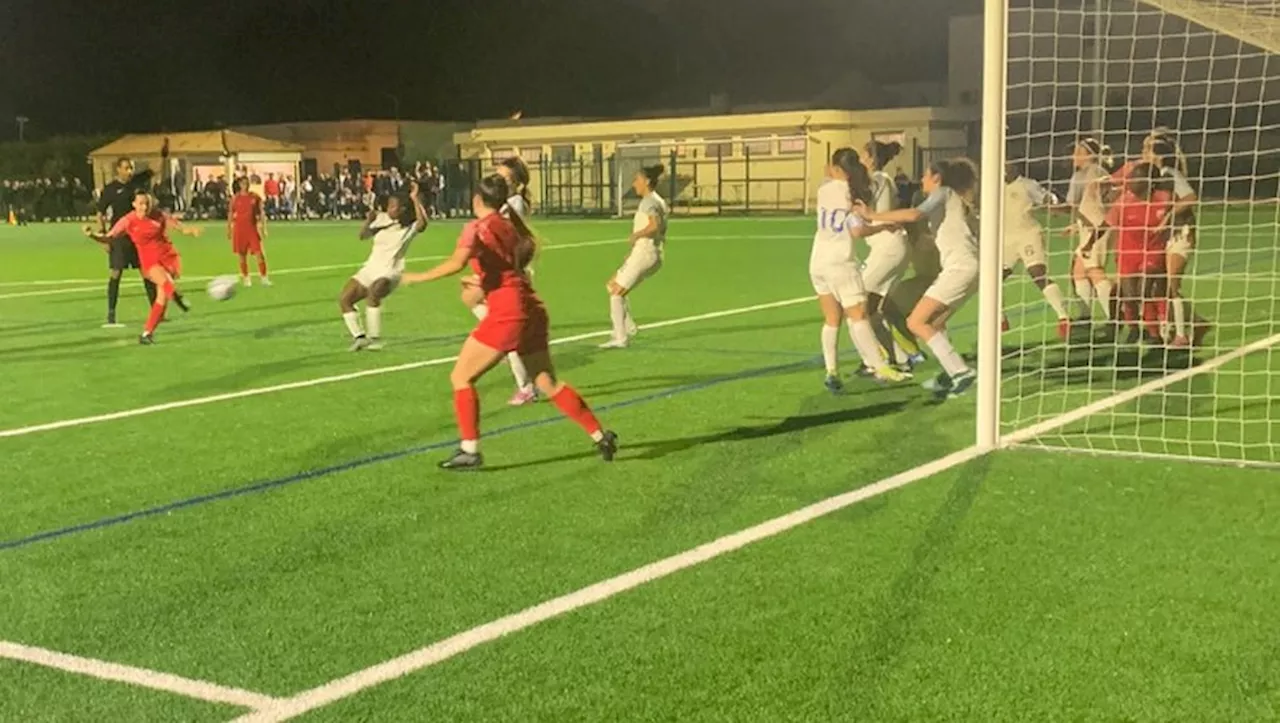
{"points": [[148, 228], [1138, 216], [246, 228], [498, 247]]}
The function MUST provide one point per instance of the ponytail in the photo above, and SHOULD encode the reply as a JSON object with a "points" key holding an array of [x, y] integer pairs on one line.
{"points": [[846, 159], [529, 246]]}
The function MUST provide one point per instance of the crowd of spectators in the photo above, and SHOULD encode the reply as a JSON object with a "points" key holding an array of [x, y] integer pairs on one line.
{"points": [[45, 199]]}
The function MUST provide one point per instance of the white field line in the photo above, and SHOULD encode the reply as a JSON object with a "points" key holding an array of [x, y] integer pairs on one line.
{"points": [[376, 371], [333, 691], [335, 267], [141, 677]]}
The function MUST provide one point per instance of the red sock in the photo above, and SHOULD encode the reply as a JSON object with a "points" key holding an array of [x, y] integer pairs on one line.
{"points": [[262, 266], [466, 407], [244, 266], [573, 406], [154, 318]]}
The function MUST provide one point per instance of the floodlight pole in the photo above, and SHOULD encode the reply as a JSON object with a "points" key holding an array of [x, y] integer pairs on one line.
{"points": [[22, 122], [994, 84]]}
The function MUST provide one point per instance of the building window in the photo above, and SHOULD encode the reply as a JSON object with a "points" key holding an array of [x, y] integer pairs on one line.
{"points": [[502, 154], [791, 145], [533, 154], [562, 154], [719, 148], [762, 147]]}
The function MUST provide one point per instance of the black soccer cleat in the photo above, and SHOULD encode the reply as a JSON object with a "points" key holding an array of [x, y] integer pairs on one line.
{"points": [[462, 461], [607, 446], [181, 302], [146, 340]]}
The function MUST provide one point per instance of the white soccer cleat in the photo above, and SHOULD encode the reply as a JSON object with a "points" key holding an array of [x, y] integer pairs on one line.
{"points": [[359, 343], [631, 327], [374, 345], [264, 281], [615, 344], [246, 281]]}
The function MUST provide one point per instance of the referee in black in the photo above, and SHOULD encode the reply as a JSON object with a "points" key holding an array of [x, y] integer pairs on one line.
{"points": [[117, 198]]}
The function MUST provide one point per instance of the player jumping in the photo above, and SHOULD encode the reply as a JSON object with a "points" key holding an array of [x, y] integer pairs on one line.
{"points": [[498, 248]]}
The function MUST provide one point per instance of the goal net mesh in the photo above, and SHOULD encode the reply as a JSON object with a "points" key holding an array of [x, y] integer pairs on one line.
{"points": [[1202, 76]]}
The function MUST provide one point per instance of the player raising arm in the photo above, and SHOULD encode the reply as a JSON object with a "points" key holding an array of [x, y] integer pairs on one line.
{"points": [[498, 248], [246, 230], [950, 186], [392, 231], [648, 236], [147, 227], [1087, 196], [1024, 239]]}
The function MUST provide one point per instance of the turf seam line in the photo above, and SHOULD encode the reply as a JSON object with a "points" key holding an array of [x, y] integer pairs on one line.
{"points": [[267, 485], [376, 371], [141, 677]]}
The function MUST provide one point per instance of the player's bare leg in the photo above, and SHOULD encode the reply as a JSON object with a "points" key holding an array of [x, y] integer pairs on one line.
{"points": [[351, 295], [165, 290], [570, 403], [474, 359], [380, 290], [624, 327], [928, 322]]}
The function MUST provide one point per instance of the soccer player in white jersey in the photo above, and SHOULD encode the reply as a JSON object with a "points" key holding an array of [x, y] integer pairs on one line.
{"points": [[888, 256], [516, 174], [648, 236], [835, 271], [951, 186], [1087, 198], [1024, 239], [391, 230], [1161, 150]]}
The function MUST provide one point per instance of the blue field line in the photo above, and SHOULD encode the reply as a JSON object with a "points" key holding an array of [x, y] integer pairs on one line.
{"points": [[271, 484]]}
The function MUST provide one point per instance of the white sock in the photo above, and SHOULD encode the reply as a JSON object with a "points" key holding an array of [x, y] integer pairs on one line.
{"points": [[1084, 290], [373, 321], [1053, 295], [480, 310], [1104, 288], [864, 337], [628, 321], [947, 355], [518, 371], [899, 353], [1179, 316], [618, 314], [830, 348], [470, 446], [352, 318]]}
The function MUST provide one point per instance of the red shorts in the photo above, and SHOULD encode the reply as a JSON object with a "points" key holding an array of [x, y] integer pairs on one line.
{"points": [[167, 258], [1139, 261], [522, 327], [246, 241]]}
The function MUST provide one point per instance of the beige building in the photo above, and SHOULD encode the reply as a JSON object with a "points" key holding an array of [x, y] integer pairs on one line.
{"points": [[715, 163], [373, 143], [205, 153]]}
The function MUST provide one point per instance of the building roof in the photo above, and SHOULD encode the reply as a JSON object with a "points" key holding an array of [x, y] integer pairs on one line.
{"points": [[197, 143]]}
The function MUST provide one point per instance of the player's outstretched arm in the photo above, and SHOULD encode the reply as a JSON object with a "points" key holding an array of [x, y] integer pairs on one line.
{"points": [[173, 223], [420, 211], [100, 237], [450, 266]]}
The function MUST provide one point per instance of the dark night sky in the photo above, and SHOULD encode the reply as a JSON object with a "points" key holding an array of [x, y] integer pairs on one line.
{"points": [[140, 65]]}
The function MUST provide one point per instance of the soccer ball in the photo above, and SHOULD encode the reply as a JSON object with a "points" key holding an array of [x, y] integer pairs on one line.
{"points": [[222, 288]]}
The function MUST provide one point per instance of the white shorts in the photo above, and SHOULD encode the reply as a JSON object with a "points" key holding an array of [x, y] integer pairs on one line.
{"points": [[954, 286], [368, 275], [1181, 242], [886, 262], [644, 261], [1026, 246], [842, 280], [1097, 256]]}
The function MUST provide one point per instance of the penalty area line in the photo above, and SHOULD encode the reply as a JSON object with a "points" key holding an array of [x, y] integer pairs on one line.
{"points": [[376, 371], [140, 677]]}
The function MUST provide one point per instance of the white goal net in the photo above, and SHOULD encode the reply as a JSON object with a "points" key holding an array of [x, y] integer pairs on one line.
{"points": [[1173, 345]]}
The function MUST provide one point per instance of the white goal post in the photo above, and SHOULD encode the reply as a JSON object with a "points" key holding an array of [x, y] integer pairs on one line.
{"points": [[1181, 360]]}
